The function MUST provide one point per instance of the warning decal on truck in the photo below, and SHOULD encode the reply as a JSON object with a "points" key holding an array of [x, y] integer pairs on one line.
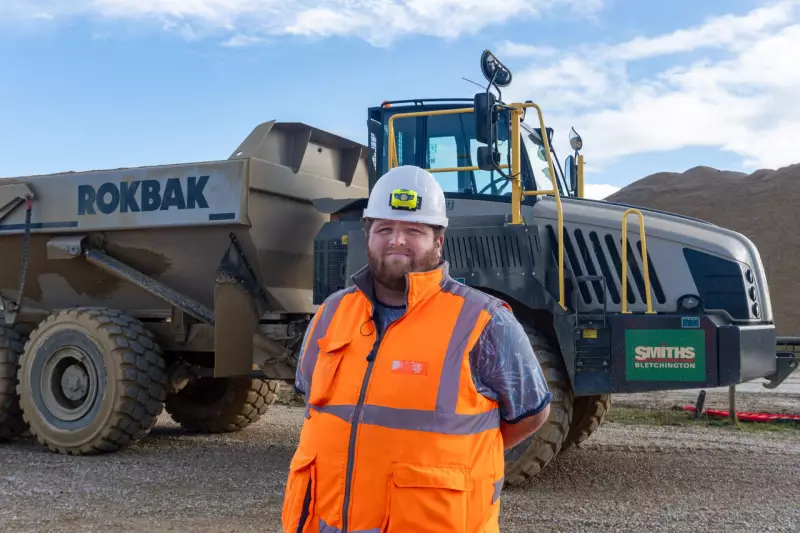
{"points": [[665, 355]]}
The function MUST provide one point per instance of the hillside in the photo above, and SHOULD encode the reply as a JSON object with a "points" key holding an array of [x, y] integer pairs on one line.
{"points": [[761, 205]]}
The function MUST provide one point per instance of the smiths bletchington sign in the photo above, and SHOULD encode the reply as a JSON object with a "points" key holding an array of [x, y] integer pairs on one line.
{"points": [[665, 355]]}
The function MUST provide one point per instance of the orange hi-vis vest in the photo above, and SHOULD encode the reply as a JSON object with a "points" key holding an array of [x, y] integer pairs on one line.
{"points": [[396, 438]]}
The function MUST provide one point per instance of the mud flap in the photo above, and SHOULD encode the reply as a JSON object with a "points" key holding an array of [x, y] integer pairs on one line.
{"points": [[239, 304]]}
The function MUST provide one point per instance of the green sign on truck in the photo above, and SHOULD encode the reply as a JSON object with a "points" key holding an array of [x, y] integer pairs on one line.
{"points": [[665, 355]]}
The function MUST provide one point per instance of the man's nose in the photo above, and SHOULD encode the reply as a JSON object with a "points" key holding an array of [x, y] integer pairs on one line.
{"points": [[398, 239]]}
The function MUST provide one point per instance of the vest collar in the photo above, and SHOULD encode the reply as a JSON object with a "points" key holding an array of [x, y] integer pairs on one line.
{"points": [[420, 286]]}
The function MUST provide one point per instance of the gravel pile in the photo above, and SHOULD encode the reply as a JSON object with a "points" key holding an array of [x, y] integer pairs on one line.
{"points": [[625, 478], [761, 206]]}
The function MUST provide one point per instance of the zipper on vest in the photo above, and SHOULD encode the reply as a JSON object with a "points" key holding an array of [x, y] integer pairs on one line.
{"points": [[351, 450], [354, 429]]}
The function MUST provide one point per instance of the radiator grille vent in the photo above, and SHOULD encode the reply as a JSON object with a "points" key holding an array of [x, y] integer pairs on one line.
{"points": [[470, 252], [599, 254], [330, 268]]}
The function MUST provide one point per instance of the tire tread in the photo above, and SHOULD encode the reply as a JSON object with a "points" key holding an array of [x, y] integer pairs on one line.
{"points": [[246, 401], [548, 439], [142, 384], [12, 344]]}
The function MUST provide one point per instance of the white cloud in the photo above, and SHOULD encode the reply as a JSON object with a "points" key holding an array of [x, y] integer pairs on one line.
{"points": [[243, 40], [742, 99], [511, 49], [599, 191], [377, 21], [726, 31]]}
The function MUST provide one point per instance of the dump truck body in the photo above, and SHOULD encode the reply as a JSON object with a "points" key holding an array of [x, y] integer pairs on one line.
{"points": [[205, 269], [173, 223]]}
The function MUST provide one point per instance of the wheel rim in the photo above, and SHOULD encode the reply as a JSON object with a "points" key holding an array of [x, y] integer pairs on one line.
{"points": [[69, 383]]}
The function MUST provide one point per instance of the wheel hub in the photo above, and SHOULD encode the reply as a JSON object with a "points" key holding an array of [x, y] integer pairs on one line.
{"points": [[69, 383], [75, 382]]}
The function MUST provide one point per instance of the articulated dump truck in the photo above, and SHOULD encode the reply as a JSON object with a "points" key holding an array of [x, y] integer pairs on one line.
{"points": [[189, 287], [123, 292], [682, 304]]}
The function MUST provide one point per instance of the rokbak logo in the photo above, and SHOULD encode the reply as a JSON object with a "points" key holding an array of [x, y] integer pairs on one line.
{"points": [[142, 195]]}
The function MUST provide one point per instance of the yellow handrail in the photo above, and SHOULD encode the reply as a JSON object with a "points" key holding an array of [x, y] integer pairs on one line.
{"points": [[517, 192], [458, 169], [625, 261]]}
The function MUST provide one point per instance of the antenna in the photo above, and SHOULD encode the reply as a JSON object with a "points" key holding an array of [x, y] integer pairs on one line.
{"points": [[476, 83]]}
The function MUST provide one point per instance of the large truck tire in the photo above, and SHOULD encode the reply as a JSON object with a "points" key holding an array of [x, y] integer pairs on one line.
{"points": [[91, 381], [528, 458], [221, 405], [588, 414], [12, 343]]}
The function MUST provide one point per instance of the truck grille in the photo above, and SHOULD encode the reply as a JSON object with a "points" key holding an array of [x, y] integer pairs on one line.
{"points": [[330, 265], [593, 253], [470, 252]]}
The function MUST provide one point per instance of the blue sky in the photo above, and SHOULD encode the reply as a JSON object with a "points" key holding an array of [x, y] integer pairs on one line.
{"points": [[651, 86]]}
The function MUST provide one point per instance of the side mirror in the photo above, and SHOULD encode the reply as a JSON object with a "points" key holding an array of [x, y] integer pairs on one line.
{"points": [[571, 174], [575, 140], [485, 117], [536, 137], [494, 71], [487, 158]]}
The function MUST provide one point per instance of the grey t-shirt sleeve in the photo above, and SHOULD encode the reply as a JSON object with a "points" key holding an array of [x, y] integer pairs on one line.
{"points": [[505, 368], [299, 379]]}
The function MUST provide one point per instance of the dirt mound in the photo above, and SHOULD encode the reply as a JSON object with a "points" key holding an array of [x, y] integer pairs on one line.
{"points": [[760, 205]]}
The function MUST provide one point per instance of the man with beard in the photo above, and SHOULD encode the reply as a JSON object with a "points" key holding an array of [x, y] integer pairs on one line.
{"points": [[414, 383]]}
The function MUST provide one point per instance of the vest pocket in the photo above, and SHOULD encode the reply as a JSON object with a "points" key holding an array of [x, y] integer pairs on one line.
{"points": [[428, 499], [326, 369], [300, 494]]}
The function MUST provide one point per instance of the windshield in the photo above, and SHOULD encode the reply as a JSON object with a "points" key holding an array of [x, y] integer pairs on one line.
{"points": [[451, 143], [448, 141]]}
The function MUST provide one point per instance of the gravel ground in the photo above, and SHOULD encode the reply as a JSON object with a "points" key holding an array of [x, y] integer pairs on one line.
{"points": [[625, 478]]}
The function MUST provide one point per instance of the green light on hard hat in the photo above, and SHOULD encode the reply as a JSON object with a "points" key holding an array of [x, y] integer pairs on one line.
{"points": [[405, 199]]}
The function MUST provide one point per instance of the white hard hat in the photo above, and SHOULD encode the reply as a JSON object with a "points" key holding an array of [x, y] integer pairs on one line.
{"points": [[408, 194]]}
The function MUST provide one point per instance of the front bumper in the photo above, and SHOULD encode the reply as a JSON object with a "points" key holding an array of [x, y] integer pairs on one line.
{"points": [[673, 352]]}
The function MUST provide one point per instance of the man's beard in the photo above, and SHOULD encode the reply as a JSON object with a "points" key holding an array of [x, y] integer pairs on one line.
{"points": [[393, 276]]}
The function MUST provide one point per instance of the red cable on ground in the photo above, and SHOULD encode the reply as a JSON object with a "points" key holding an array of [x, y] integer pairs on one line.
{"points": [[749, 416]]}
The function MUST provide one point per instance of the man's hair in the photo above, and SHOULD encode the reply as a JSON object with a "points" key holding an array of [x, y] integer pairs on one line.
{"points": [[438, 231]]}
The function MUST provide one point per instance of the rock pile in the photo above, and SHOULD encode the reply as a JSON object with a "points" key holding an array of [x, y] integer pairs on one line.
{"points": [[762, 206]]}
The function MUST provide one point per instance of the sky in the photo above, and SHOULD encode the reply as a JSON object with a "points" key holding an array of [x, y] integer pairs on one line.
{"points": [[650, 86]]}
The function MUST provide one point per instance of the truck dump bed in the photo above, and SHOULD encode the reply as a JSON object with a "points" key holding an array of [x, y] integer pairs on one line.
{"points": [[174, 223]]}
